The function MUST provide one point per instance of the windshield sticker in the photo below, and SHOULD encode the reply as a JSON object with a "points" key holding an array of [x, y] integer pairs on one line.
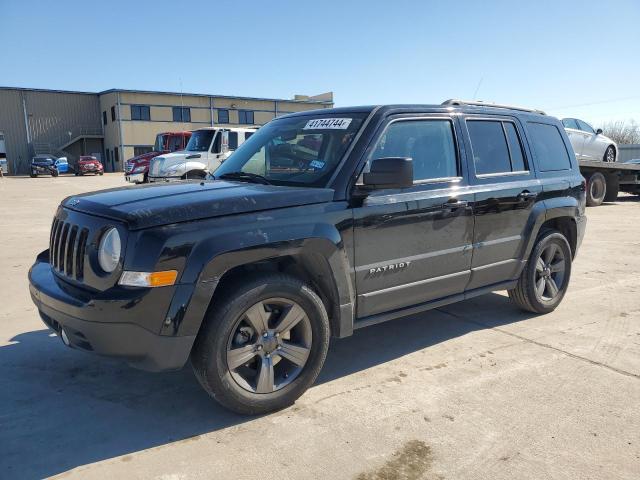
{"points": [[319, 164], [328, 123]]}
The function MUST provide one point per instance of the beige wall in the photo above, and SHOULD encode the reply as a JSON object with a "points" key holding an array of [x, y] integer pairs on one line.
{"points": [[125, 133]]}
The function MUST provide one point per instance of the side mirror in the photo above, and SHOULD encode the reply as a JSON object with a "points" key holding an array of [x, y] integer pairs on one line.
{"points": [[599, 131], [389, 172]]}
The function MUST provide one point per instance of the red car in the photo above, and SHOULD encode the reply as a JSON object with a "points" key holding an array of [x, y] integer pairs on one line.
{"points": [[89, 164], [136, 169]]}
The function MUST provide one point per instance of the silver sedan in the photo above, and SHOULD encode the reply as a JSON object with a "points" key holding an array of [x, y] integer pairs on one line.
{"points": [[589, 144]]}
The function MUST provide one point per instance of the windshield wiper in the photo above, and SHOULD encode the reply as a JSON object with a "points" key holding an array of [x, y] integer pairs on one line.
{"points": [[249, 177]]}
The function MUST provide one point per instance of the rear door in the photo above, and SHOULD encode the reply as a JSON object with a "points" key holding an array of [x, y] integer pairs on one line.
{"points": [[413, 245], [506, 194], [592, 148]]}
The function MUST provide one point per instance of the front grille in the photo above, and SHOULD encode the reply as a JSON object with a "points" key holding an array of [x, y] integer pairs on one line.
{"points": [[67, 248], [128, 167]]}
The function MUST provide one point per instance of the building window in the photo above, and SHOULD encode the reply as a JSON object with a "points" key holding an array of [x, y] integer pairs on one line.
{"points": [[245, 117], [107, 155], [116, 154], [223, 116], [233, 140], [140, 112], [181, 114], [141, 150], [113, 114], [104, 117]]}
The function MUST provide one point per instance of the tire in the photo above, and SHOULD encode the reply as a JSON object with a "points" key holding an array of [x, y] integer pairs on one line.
{"points": [[596, 189], [76, 174], [238, 388], [101, 173], [609, 154], [54, 173], [33, 175], [613, 188], [527, 294]]}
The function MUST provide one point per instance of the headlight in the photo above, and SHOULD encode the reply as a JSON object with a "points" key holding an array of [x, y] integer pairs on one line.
{"points": [[109, 250], [139, 169]]}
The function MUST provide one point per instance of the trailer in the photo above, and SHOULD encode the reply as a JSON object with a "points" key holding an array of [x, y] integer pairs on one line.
{"points": [[606, 180]]}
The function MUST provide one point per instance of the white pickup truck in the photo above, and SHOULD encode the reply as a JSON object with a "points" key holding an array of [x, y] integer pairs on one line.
{"points": [[206, 150]]}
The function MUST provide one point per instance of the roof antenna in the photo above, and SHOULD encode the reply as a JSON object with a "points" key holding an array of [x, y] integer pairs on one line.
{"points": [[475, 94]]}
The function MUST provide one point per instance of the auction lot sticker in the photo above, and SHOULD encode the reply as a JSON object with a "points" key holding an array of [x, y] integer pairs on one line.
{"points": [[328, 123]]}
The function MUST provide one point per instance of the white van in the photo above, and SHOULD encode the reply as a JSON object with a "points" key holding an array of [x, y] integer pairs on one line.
{"points": [[206, 150]]}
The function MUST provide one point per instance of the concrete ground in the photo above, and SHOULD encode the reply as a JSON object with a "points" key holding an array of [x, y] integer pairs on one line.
{"points": [[477, 390]]}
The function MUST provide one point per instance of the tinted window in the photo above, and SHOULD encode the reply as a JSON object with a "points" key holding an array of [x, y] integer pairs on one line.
{"points": [[570, 123], [585, 127], [175, 143], [245, 117], [181, 114], [428, 142], [223, 116], [490, 151], [515, 148], [233, 140], [247, 135], [140, 112], [549, 147]]}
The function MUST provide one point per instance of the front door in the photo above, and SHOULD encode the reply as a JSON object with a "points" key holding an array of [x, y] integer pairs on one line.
{"points": [[576, 136], [413, 245], [506, 193]]}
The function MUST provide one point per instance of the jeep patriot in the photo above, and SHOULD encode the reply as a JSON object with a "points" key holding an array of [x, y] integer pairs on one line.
{"points": [[321, 223]]}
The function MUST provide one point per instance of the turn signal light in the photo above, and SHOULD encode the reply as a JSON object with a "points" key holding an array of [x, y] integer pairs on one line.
{"points": [[149, 279]]}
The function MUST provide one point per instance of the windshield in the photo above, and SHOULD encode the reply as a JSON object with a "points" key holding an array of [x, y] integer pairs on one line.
{"points": [[47, 160], [297, 150], [160, 145], [200, 140]]}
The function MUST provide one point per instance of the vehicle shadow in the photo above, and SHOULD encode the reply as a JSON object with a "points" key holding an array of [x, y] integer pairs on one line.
{"points": [[65, 408]]}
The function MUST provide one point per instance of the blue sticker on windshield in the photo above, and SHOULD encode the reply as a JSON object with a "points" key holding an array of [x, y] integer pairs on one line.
{"points": [[319, 164]]}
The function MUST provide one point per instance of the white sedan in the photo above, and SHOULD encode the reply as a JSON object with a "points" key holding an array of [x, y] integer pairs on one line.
{"points": [[589, 144]]}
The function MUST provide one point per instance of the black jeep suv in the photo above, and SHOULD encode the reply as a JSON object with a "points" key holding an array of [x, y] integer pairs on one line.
{"points": [[321, 223]]}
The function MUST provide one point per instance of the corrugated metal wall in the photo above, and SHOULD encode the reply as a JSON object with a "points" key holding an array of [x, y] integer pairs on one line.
{"points": [[53, 118], [628, 152], [12, 125]]}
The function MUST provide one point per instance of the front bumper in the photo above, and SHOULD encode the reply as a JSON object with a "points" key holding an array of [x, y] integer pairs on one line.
{"points": [[134, 177], [108, 326]]}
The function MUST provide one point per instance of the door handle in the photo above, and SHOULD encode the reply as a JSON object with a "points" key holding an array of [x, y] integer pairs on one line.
{"points": [[456, 204], [527, 195]]}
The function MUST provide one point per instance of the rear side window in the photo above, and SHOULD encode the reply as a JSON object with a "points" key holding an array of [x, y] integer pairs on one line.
{"points": [[570, 123], [496, 147], [429, 143], [585, 127], [549, 147]]}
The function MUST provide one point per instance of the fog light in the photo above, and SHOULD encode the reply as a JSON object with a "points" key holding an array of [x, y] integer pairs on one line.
{"points": [[63, 336], [149, 279]]}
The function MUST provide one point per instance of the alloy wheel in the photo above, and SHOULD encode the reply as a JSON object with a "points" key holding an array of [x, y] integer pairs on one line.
{"points": [[550, 273], [269, 345]]}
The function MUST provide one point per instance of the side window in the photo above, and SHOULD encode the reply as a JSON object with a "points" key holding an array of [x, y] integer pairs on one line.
{"points": [[585, 127], [515, 148], [233, 140], [570, 123], [104, 117], [215, 148], [551, 152], [175, 143], [489, 146], [429, 143], [223, 116], [247, 135]]}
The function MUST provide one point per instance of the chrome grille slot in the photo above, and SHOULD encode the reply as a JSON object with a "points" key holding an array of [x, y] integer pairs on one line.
{"points": [[67, 248]]}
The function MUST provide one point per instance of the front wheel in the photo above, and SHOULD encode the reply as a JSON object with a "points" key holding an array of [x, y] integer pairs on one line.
{"points": [[263, 345], [54, 173], [610, 154], [545, 277]]}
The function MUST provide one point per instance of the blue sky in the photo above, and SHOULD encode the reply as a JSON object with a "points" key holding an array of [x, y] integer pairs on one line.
{"points": [[570, 58]]}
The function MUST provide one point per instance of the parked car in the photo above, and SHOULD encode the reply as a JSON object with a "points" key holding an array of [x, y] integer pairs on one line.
{"points": [[3, 165], [43, 164], [384, 211], [589, 144], [62, 165], [206, 150], [136, 169], [89, 164]]}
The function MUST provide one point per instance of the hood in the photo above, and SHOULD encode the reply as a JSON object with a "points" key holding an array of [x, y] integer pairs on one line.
{"points": [[153, 205], [164, 162], [87, 162], [145, 157]]}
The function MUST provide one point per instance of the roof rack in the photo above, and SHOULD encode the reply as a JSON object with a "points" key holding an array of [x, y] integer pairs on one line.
{"points": [[479, 103]]}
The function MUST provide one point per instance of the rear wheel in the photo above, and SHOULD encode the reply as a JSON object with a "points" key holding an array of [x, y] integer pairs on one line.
{"points": [[263, 345], [609, 154], [545, 277], [54, 173], [596, 189]]}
